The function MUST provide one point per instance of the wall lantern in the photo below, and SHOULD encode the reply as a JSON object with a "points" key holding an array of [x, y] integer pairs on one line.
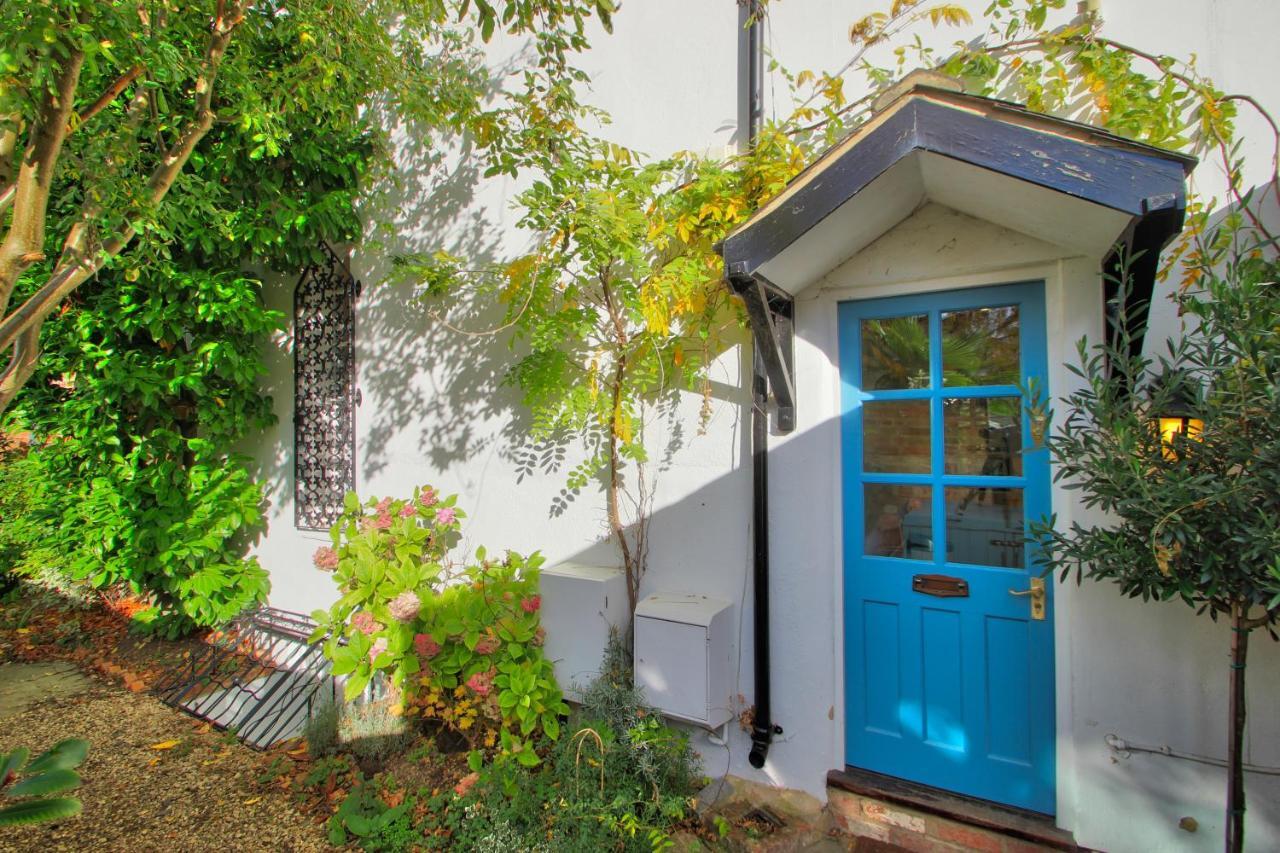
{"points": [[1176, 415]]}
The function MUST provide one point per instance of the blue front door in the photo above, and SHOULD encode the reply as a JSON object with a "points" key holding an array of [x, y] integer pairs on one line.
{"points": [[948, 655]]}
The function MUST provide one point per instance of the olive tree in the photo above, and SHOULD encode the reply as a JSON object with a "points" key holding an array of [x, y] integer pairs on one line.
{"points": [[1191, 514]]}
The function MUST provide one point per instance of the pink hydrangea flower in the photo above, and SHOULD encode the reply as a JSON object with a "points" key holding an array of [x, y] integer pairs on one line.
{"points": [[481, 682], [364, 622], [405, 606], [531, 604], [426, 647], [379, 646], [384, 505], [486, 646], [407, 511], [325, 558], [446, 515], [428, 497], [382, 522]]}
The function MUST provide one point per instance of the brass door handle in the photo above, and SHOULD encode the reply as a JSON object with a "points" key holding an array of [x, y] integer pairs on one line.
{"points": [[1037, 594]]}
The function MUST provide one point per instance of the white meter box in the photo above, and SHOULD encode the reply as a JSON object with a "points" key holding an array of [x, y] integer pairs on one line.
{"points": [[684, 657], [580, 604]]}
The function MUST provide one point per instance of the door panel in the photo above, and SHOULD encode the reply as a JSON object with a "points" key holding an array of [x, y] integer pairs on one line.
{"points": [[940, 478]]}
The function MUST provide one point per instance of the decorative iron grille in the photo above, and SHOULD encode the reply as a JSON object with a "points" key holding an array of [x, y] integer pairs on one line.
{"points": [[324, 391]]}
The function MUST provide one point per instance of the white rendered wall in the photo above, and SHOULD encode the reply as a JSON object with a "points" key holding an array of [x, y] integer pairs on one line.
{"points": [[433, 411]]}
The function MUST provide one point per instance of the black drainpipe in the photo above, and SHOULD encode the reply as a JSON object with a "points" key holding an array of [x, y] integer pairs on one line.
{"points": [[762, 727]]}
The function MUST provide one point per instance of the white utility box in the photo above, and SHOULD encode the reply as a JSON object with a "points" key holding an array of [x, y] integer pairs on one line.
{"points": [[580, 604], [684, 657]]}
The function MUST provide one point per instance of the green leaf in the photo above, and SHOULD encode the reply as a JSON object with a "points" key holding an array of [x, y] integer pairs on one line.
{"points": [[64, 755], [42, 784], [12, 762], [39, 811]]}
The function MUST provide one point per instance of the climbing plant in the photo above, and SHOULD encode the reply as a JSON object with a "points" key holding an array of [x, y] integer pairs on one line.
{"points": [[619, 300]]}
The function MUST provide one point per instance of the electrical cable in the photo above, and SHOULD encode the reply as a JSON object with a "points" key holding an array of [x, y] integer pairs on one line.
{"points": [[1124, 748]]}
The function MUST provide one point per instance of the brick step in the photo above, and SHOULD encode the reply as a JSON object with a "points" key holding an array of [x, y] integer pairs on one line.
{"points": [[925, 820]]}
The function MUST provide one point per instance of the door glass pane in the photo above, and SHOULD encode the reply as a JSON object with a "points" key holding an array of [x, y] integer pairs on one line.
{"points": [[983, 436], [895, 353], [895, 436], [980, 346], [899, 521], [985, 526]]}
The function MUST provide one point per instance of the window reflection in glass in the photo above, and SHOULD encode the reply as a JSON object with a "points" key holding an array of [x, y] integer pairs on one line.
{"points": [[980, 346], [895, 436], [898, 521], [985, 526], [983, 436], [895, 353]]}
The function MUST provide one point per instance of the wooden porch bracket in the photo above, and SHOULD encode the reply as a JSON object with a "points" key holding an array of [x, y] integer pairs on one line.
{"points": [[772, 315]]}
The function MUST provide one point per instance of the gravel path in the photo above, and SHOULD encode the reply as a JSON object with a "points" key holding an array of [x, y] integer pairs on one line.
{"points": [[201, 794]]}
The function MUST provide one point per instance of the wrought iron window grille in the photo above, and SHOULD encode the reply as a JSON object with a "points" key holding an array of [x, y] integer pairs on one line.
{"points": [[325, 394]]}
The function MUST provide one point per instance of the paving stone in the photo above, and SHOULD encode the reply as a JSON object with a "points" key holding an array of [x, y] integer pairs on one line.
{"points": [[25, 684]]}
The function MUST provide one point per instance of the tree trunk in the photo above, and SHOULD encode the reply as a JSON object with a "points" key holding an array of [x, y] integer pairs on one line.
{"points": [[1235, 744]]}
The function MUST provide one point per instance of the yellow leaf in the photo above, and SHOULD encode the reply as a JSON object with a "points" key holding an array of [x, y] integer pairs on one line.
{"points": [[252, 800], [165, 744]]}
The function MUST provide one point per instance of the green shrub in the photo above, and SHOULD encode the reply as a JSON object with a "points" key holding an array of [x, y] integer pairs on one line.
{"points": [[24, 537], [462, 645], [619, 780], [365, 819], [144, 391]]}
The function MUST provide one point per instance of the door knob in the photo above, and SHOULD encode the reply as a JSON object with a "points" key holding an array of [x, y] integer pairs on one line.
{"points": [[1037, 597]]}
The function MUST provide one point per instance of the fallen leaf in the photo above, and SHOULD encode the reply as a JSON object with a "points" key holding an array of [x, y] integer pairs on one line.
{"points": [[165, 744], [251, 801]]}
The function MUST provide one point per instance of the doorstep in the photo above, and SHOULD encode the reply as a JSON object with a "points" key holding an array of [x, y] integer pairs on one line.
{"points": [[920, 818]]}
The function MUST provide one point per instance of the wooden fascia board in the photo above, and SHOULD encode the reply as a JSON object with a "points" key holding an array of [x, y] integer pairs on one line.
{"points": [[1134, 180]]}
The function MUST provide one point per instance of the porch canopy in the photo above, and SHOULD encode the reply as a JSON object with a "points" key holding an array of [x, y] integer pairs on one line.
{"points": [[1059, 181]]}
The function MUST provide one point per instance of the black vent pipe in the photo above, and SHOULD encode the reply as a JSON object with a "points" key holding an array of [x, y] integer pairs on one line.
{"points": [[762, 726]]}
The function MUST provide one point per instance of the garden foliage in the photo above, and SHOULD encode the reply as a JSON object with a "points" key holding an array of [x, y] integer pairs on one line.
{"points": [[1197, 520], [619, 779], [458, 644], [148, 373], [51, 772]]}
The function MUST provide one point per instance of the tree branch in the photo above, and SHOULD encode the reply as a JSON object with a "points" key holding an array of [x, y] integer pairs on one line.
{"points": [[24, 242], [81, 259], [109, 94], [22, 364]]}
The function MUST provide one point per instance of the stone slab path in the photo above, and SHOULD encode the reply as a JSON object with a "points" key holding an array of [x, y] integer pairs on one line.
{"points": [[25, 684]]}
